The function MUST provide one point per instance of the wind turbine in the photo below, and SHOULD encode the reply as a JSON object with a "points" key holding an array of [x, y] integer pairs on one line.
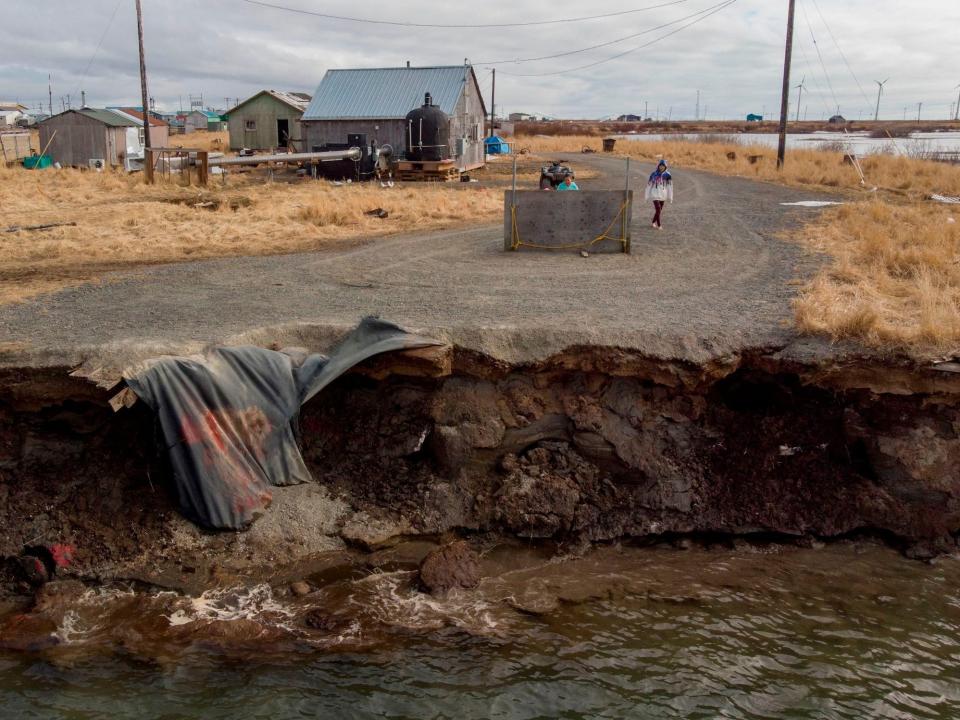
{"points": [[880, 85], [799, 95]]}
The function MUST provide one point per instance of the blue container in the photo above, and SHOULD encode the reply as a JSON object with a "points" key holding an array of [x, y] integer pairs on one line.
{"points": [[37, 162], [496, 146]]}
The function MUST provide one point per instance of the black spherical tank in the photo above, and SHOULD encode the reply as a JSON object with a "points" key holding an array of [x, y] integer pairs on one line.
{"points": [[428, 132]]}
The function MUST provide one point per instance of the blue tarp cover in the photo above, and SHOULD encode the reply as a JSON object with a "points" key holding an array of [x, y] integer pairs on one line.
{"points": [[227, 417]]}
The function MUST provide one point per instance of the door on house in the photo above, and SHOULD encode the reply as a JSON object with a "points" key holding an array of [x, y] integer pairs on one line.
{"points": [[283, 133]]}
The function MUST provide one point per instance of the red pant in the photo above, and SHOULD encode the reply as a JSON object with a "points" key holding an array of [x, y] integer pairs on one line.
{"points": [[658, 208]]}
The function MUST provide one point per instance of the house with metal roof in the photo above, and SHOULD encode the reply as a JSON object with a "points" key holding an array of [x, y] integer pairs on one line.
{"points": [[374, 102], [267, 120], [159, 129], [91, 137]]}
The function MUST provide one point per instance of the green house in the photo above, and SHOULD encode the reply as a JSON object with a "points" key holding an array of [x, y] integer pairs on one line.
{"points": [[268, 120], [753, 117]]}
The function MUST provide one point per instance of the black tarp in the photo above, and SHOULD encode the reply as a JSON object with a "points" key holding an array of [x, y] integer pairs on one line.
{"points": [[226, 417]]}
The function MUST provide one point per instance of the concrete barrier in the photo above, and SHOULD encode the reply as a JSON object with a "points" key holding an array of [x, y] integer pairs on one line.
{"points": [[592, 220]]}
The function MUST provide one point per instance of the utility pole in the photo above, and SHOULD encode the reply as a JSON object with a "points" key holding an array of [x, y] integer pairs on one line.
{"points": [[785, 95], [50, 94], [646, 109], [876, 115], [696, 114], [143, 92], [83, 98], [493, 102], [919, 106], [799, 96], [956, 115]]}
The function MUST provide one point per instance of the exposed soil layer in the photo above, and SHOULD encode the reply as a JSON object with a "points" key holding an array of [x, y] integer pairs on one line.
{"points": [[592, 445]]}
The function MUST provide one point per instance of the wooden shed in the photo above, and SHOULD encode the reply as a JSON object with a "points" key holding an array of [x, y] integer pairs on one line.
{"points": [[87, 135], [270, 119], [375, 102]]}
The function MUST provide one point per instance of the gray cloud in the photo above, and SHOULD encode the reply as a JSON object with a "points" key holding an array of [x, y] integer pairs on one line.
{"points": [[227, 48]]}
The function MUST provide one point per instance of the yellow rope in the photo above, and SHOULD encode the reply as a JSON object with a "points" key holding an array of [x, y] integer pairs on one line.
{"points": [[516, 242]]}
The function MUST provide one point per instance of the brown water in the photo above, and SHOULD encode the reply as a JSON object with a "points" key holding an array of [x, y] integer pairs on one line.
{"points": [[848, 631]]}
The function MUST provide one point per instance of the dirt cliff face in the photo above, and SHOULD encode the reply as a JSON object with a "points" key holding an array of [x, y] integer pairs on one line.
{"points": [[590, 446], [563, 453]]}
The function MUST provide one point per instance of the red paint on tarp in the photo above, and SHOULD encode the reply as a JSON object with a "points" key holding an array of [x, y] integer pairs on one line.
{"points": [[63, 554]]}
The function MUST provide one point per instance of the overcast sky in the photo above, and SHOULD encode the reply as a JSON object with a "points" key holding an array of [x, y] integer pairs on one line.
{"points": [[230, 48]]}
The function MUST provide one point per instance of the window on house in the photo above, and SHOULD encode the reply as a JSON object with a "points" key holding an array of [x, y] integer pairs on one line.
{"points": [[140, 135], [251, 125]]}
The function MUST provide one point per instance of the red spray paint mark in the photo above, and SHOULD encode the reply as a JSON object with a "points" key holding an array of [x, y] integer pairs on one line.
{"points": [[63, 554]]}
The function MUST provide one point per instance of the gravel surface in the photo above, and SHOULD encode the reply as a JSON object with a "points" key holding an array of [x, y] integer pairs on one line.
{"points": [[715, 280]]}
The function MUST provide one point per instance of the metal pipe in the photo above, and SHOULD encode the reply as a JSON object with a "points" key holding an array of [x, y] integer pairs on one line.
{"points": [[351, 154]]}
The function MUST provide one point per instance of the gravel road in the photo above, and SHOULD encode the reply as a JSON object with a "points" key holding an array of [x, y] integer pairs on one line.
{"points": [[716, 279]]}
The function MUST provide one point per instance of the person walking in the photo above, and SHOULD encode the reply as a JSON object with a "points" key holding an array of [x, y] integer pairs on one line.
{"points": [[659, 189]]}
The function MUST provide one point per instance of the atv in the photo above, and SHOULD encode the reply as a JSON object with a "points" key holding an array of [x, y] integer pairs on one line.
{"points": [[553, 174]]}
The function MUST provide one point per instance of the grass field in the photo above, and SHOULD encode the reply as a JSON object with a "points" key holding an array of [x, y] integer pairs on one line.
{"points": [[121, 222], [893, 278]]}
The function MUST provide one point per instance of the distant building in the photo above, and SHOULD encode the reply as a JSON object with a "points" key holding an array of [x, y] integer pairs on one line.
{"points": [[216, 121], [375, 102], [10, 112], [837, 120], [269, 119], [630, 118], [753, 117], [520, 117], [193, 120], [90, 137], [159, 129]]}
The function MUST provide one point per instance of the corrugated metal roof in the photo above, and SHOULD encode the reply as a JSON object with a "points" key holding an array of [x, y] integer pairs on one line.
{"points": [[385, 93], [136, 116], [107, 117], [298, 101]]}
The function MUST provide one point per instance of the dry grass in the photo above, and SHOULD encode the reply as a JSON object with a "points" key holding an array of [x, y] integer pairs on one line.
{"points": [[897, 176], [894, 279], [202, 140], [122, 223]]}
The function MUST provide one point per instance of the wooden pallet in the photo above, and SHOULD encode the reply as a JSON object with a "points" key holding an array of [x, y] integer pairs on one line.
{"points": [[427, 171]]}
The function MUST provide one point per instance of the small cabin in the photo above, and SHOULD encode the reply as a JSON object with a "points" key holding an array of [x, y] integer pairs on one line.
{"points": [[753, 117], [270, 119]]}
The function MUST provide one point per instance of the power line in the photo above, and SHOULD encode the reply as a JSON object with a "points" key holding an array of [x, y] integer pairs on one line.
{"points": [[823, 65], [600, 45], [718, 8], [840, 50], [97, 49], [346, 18]]}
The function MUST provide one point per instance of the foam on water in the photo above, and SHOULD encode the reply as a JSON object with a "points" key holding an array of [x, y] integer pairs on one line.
{"points": [[237, 603]]}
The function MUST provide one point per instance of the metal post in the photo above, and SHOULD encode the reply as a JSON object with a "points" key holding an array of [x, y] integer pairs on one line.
{"points": [[624, 220], [513, 197], [785, 97], [143, 88]]}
